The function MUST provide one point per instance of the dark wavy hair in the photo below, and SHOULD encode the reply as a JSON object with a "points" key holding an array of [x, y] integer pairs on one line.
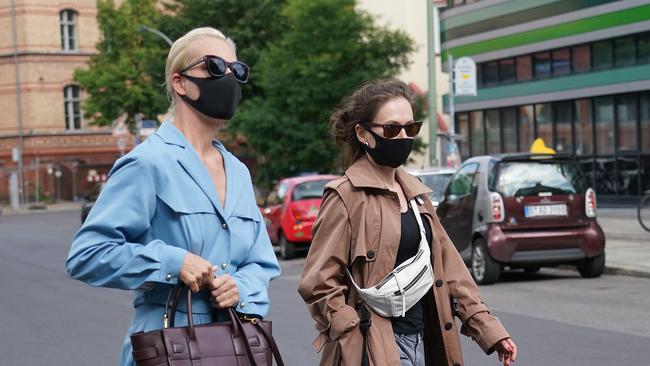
{"points": [[361, 108]]}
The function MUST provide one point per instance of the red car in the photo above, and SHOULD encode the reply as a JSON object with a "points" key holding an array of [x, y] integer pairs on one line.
{"points": [[291, 210]]}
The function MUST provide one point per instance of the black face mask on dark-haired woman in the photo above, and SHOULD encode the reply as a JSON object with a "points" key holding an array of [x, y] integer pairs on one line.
{"points": [[389, 152]]}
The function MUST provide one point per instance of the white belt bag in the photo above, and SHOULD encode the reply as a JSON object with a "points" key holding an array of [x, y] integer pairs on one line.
{"points": [[405, 285]]}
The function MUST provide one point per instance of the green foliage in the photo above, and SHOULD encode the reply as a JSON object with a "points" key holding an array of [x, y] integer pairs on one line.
{"points": [[252, 24], [328, 49], [125, 76]]}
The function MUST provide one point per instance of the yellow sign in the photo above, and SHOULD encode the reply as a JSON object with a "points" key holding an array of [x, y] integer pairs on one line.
{"points": [[539, 147]]}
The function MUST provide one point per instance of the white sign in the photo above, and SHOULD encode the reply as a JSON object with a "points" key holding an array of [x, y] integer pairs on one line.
{"points": [[15, 154], [465, 76]]}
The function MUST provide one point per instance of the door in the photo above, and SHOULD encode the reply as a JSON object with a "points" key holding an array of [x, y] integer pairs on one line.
{"points": [[457, 210], [273, 211]]}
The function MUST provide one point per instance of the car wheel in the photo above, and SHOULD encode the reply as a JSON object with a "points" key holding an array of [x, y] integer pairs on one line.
{"points": [[484, 269], [287, 249], [592, 267]]}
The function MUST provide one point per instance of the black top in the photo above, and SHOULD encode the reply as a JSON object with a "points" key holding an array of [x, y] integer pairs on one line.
{"points": [[413, 321]]}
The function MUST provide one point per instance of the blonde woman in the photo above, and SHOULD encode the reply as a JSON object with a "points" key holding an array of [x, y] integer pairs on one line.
{"points": [[180, 207]]}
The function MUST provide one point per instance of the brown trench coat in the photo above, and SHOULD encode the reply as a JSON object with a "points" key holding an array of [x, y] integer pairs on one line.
{"points": [[359, 226]]}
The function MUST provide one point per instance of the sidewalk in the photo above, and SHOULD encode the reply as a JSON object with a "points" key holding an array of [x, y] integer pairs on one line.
{"points": [[54, 207], [627, 246]]}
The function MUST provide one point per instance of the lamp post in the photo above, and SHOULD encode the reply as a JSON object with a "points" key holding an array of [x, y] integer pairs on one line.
{"points": [[431, 100], [144, 28]]}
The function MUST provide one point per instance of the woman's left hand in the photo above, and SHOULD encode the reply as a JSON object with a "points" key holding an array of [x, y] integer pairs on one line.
{"points": [[224, 292], [507, 350]]}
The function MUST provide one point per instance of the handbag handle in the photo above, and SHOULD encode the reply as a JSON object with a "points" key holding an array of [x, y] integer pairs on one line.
{"points": [[237, 327]]}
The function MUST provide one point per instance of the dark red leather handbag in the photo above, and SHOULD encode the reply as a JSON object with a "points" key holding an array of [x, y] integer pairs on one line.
{"points": [[230, 343]]}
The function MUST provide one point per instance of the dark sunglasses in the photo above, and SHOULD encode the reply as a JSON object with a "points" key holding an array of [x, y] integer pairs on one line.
{"points": [[392, 130], [217, 67]]}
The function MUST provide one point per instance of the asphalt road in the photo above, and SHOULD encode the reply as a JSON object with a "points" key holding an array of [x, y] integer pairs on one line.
{"points": [[556, 317]]}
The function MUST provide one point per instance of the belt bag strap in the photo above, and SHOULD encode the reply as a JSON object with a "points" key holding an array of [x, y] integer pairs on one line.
{"points": [[405, 285]]}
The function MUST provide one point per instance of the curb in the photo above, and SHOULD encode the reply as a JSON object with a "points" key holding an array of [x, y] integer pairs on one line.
{"points": [[626, 272], [9, 212]]}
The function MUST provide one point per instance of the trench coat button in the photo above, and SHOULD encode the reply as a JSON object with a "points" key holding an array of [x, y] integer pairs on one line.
{"points": [[439, 283], [370, 254], [169, 277], [448, 326], [224, 265], [243, 304], [225, 226]]}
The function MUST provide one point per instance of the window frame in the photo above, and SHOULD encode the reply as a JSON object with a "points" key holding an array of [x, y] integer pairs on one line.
{"points": [[69, 101], [65, 25]]}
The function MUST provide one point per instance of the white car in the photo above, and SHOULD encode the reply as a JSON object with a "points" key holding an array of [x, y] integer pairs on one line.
{"points": [[436, 179]]}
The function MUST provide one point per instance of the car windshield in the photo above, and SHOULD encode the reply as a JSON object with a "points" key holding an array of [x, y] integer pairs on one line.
{"points": [[530, 178], [309, 190], [437, 182]]}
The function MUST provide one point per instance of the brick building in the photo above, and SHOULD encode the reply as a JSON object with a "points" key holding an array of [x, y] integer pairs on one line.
{"points": [[42, 42]]}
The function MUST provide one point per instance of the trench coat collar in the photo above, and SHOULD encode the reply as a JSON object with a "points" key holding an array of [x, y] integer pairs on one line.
{"points": [[193, 166], [363, 175]]}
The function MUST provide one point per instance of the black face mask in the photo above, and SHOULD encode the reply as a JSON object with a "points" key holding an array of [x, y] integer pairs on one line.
{"points": [[218, 97], [389, 152]]}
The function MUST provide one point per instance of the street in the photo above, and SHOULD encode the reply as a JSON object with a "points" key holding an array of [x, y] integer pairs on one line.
{"points": [[555, 317]]}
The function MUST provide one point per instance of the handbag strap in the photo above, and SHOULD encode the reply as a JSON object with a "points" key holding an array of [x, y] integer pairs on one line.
{"points": [[364, 325], [237, 327], [269, 338]]}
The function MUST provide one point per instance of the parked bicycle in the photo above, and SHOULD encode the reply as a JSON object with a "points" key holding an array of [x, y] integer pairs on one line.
{"points": [[643, 211]]}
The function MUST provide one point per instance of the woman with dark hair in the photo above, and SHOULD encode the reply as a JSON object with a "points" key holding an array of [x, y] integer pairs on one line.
{"points": [[381, 274]]}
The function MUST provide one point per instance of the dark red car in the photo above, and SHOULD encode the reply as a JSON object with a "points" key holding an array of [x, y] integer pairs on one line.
{"points": [[291, 210], [523, 211]]}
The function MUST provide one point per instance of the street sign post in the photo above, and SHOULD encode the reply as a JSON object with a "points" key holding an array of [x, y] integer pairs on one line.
{"points": [[465, 77]]}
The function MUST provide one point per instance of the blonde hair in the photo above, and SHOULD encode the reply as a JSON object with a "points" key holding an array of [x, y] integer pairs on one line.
{"points": [[179, 57]]}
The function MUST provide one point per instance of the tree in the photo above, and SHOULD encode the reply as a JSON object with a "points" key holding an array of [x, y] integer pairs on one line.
{"points": [[125, 76], [252, 24], [328, 49]]}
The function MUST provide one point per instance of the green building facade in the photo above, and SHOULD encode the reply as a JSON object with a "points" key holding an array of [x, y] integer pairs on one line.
{"points": [[573, 72]]}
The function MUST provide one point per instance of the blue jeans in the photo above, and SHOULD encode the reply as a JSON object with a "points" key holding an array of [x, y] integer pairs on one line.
{"points": [[411, 349]]}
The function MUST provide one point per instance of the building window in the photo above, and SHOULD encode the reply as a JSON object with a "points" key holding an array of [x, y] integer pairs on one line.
{"points": [[477, 137], [68, 30], [526, 127], [524, 68], [604, 121], [645, 123], [581, 58], [490, 73], [626, 123], [462, 128], [561, 62], [584, 130], [509, 129], [643, 48], [544, 123], [602, 54], [542, 64], [624, 51], [72, 107], [563, 112], [493, 131], [507, 70]]}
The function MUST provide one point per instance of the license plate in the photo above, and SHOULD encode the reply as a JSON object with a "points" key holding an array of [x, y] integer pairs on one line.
{"points": [[545, 210]]}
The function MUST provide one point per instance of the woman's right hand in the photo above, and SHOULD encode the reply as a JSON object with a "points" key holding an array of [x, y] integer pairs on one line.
{"points": [[196, 272]]}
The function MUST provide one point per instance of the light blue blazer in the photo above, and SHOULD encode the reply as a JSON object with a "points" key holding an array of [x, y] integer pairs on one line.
{"points": [[159, 203]]}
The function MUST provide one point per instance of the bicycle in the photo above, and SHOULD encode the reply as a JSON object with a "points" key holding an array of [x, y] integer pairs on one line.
{"points": [[643, 211]]}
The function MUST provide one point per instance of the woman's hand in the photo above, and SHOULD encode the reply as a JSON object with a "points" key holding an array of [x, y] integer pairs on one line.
{"points": [[225, 293], [507, 350], [196, 272]]}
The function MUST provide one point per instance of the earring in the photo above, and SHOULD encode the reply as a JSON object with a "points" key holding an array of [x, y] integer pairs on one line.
{"points": [[366, 143]]}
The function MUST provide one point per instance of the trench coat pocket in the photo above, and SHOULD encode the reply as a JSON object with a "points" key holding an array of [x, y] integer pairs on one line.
{"points": [[342, 321], [247, 212]]}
